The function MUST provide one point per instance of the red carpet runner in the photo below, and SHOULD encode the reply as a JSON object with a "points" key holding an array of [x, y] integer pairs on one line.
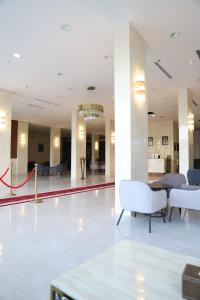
{"points": [[43, 195]]}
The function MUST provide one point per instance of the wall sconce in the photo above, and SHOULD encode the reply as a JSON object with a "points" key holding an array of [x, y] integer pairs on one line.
{"points": [[112, 138], [81, 133], [96, 146], [2, 120], [140, 91], [23, 140], [191, 121], [57, 142]]}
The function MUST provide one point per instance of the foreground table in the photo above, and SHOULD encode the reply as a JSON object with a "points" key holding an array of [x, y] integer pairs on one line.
{"points": [[128, 270]]}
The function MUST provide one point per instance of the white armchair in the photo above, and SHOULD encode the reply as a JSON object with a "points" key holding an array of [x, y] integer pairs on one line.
{"points": [[137, 196], [188, 199]]}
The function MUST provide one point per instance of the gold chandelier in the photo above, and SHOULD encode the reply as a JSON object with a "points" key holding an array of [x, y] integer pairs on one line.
{"points": [[90, 111]]}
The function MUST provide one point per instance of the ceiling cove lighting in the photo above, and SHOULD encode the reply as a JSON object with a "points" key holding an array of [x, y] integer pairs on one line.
{"points": [[175, 35], [16, 55], [90, 111]]}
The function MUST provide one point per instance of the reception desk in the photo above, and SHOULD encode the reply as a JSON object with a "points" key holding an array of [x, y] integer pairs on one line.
{"points": [[157, 165]]}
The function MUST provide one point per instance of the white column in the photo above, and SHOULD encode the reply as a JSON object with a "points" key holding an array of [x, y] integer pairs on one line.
{"points": [[110, 148], [22, 148], [5, 138], [186, 130], [54, 146], [131, 118], [78, 144], [95, 149]]}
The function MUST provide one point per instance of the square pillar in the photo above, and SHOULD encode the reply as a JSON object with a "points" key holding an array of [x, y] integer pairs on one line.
{"points": [[186, 130], [5, 138], [78, 144], [110, 148], [131, 118], [54, 146]]}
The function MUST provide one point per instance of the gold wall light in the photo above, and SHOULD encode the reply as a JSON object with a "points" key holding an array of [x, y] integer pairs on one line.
{"points": [[23, 140], [81, 132], [140, 90], [96, 146], [191, 121], [56, 142], [113, 137], [2, 120]]}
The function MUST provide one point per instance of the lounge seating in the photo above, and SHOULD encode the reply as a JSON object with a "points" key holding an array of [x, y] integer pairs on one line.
{"points": [[193, 176], [188, 199], [58, 169], [43, 170], [173, 179], [138, 197]]}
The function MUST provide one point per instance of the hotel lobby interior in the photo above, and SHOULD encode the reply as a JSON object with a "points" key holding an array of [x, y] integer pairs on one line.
{"points": [[99, 150]]}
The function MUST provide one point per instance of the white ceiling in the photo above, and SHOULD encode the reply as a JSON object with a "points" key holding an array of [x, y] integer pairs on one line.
{"points": [[32, 28]]}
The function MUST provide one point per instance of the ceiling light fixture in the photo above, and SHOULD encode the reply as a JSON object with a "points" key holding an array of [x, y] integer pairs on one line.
{"points": [[175, 35], [90, 111], [60, 73], [16, 55], [190, 62], [65, 27]]}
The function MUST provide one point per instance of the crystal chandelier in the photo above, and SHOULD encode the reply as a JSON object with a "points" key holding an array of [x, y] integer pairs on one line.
{"points": [[90, 111]]}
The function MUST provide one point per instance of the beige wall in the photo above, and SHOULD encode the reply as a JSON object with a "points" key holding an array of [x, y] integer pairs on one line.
{"points": [[33, 154], [157, 129]]}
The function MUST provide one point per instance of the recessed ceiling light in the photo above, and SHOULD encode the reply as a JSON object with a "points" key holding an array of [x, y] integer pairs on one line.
{"points": [[65, 27], [175, 35], [16, 55], [107, 57], [60, 74], [161, 116], [190, 62]]}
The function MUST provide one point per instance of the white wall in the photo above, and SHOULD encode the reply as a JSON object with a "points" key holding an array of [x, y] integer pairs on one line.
{"points": [[110, 147]]}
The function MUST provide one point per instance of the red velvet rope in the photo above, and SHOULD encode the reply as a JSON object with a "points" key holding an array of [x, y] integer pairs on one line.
{"points": [[21, 184], [4, 174]]}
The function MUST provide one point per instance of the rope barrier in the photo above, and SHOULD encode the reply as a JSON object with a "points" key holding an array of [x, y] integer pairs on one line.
{"points": [[4, 174], [21, 184]]}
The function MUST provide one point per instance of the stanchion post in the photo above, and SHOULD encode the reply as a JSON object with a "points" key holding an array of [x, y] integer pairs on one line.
{"points": [[36, 200], [11, 181]]}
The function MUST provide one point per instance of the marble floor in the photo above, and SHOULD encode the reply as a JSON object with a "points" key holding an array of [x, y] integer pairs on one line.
{"points": [[40, 242], [52, 183]]}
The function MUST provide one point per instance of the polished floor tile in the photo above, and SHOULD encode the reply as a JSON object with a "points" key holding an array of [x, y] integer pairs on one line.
{"points": [[40, 242]]}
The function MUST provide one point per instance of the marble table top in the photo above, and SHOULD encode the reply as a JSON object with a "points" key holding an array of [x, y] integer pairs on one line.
{"points": [[129, 270]]}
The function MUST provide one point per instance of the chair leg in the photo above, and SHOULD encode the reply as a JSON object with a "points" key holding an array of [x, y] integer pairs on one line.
{"points": [[149, 223], [120, 217], [170, 217], [135, 214], [180, 211], [163, 216]]}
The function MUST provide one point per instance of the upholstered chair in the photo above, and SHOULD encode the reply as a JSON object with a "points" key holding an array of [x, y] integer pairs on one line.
{"points": [[137, 196]]}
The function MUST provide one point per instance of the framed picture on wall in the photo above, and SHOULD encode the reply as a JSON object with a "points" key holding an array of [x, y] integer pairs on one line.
{"points": [[164, 140], [150, 141], [40, 147]]}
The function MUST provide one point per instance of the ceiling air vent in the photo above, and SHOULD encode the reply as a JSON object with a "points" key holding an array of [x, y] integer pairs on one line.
{"points": [[35, 106], [45, 101], [162, 69], [198, 53], [194, 102]]}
